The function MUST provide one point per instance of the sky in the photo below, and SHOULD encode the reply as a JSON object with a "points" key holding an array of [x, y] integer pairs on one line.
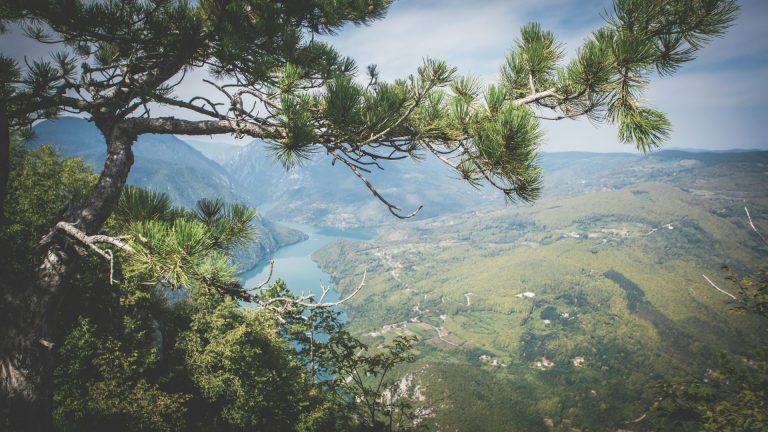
{"points": [[719, 101]]}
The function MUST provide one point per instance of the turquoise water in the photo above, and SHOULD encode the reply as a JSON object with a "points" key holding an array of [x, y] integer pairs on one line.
{"points": [[294, 264]]}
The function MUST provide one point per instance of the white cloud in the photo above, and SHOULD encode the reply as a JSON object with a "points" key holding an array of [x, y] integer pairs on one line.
{"points": [[462, 37], [474, 36]]}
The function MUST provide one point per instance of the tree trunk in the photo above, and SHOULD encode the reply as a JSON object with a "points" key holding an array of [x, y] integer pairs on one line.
{"points": [[28, 342]]}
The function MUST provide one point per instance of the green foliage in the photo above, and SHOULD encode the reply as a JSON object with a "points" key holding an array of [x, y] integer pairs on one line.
{"points": [[101, 383], [752, 292], [732, 397], [611, 70], [365, 383], [269, 34], [41, 188], [158, 356], [202, 360], [238, 361], [230, 225], [506, 142], [138, 204], [179, 247]]}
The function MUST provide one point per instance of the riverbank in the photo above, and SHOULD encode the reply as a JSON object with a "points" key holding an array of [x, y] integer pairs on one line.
{"points": [[294, 263], [271, 237]]}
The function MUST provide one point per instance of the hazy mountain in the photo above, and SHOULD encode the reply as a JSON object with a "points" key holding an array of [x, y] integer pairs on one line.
{"points": [[571, 174], [216, 151], [330, 195], [321, 194], [167, 164], [162, 162]]}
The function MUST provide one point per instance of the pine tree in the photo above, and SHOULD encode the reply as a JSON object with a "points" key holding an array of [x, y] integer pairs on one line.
{"points": [[277, 82]]}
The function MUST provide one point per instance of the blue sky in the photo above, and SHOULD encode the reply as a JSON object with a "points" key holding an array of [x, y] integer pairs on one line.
{"points": [[720, 101]]}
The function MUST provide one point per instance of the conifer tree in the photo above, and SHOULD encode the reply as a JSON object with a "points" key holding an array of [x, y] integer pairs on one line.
{"points": [[117, 60]]}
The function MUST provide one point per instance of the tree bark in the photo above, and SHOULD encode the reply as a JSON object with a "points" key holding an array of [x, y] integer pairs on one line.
{"points": [[28, 344]]}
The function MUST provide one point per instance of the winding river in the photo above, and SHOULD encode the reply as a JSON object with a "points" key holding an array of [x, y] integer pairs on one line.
{"points": [[294, 263]]}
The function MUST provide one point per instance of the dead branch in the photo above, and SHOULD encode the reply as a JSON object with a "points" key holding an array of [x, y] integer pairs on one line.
{"points": [[91, 242], [266, 281], [391, 207], [325, 289], [307, 300], [282, 305], [645, 414], [440, 156], [535, 97]]}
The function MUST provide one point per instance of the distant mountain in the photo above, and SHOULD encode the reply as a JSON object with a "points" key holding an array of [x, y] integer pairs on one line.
{"points": [[167, 164], [573, 174], [216, 151], [162, 162], [330, 195], [569, 173], [321, 194]]}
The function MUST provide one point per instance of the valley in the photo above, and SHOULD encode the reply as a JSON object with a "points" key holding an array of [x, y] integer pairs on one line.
{"points": [[568, 313], [293, 263], [383, 216], [563, 315]]}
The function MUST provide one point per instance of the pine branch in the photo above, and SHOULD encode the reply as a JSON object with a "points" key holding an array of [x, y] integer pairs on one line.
{"points": [[535, 97], [172, 125]]}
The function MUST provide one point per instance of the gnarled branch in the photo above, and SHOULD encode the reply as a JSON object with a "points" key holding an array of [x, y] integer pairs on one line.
{"points": [[91, 242], [266, 281]]}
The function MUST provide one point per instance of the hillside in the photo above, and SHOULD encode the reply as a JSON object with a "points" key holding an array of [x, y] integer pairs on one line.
{"points": [[568, 312], [321, 194], [216, 151]]}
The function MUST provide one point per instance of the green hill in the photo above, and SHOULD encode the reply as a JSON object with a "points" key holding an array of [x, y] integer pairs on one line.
{"points": [[568, 312]]}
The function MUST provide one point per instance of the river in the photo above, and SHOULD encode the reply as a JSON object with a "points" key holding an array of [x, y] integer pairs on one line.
{"points": [[294, 264]]}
